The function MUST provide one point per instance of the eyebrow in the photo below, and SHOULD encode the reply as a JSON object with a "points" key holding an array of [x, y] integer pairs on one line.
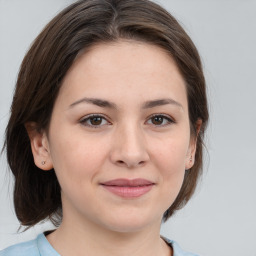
{"points": [[98, 102], [107, 104], [160, 102]]}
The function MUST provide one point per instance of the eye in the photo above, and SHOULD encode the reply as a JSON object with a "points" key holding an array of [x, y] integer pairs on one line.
{"points": [[94, 121], [160, 120]]}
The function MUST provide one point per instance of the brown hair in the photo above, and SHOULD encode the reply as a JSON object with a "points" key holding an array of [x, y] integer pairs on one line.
{"points": [[76, 28]]}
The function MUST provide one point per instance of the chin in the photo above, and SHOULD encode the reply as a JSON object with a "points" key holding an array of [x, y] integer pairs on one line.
{"points": [[130, 223]]}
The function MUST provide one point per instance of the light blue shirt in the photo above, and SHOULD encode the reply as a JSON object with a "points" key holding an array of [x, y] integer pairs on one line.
{"points": [[41, 247]]}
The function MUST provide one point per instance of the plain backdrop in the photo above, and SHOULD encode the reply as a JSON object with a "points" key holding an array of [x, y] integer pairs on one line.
{"points": [[220, 219]]}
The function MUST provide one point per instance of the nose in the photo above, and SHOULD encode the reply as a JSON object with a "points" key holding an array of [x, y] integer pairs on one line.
{"points": [[129, 148]]}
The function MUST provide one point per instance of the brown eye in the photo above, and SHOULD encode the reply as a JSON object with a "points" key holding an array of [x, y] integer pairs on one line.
{"points": [[160, 120], [157, 120], [94, 121]]}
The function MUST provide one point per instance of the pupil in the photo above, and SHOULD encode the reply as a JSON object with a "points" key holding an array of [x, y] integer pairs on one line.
{"points": [[96, 120], [157, 120]]}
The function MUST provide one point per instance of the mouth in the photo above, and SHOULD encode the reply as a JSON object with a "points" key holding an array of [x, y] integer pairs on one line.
{"points": [[128, 188]]}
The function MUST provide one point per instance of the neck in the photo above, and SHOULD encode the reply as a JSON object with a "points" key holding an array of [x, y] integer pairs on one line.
{"points": [[76, 239]]}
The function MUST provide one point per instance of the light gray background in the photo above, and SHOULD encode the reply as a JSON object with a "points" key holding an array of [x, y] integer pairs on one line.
{"points": [[220, 220]]}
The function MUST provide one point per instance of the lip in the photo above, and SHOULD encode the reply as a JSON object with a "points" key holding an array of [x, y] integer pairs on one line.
{"points": [[127, 188]]}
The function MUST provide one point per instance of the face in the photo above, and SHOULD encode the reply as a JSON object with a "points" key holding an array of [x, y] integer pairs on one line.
{"points": [[119, 137]]}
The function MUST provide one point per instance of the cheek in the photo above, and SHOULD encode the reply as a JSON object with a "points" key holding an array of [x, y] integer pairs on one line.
{"points": [[170, 155], [170, 160], [76, 158]]}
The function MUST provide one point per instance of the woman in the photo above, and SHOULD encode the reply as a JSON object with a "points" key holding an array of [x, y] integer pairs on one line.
{"points": [[106, 130]]}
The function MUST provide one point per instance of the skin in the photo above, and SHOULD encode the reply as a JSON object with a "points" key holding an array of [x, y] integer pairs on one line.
{"points": [[126, 142]]}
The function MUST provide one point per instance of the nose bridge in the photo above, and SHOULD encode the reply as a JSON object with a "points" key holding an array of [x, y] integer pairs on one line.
{"points": [[130, 146]]}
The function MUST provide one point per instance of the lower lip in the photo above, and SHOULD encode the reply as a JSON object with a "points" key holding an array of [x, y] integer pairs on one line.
{"points": [[129, 192]]}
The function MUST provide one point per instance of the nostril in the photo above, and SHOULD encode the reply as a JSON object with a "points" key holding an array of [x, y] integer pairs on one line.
{"points": [[130, 165], [120, 162]]}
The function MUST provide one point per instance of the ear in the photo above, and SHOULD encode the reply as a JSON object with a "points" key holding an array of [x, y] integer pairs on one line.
{"points": [[39, 146], [190, 158]]}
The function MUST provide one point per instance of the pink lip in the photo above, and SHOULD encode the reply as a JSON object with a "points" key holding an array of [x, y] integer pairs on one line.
{"points": [[128, 188]]}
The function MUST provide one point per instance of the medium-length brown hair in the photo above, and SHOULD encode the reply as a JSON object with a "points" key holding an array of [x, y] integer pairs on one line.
{"points": [[79, 26]]}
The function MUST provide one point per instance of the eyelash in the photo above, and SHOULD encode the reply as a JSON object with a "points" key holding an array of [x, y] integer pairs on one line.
{"points": [[87, 118], [83, 121], [165, 117]]}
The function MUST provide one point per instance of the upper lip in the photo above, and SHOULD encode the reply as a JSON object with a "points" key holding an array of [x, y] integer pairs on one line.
{"points": [[128, 182]]}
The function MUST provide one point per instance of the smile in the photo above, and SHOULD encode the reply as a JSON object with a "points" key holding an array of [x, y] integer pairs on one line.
{"points": [[128, 188]]}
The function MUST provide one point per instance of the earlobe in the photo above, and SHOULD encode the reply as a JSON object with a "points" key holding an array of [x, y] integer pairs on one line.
{"points": [[39, 147], [192, 147], [190, 160]]}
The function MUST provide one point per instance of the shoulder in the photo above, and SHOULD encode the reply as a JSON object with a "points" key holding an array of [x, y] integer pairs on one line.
{"points": [[38, 247], [177, 251], [23, 249]]}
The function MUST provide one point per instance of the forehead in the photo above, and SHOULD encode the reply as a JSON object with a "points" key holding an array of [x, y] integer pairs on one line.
{"points": [[123, 53], [123, 69]]}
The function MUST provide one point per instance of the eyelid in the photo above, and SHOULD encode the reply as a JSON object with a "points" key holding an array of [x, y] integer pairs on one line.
{"points": [[87, 117], [83, 120], [170, 119]]}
